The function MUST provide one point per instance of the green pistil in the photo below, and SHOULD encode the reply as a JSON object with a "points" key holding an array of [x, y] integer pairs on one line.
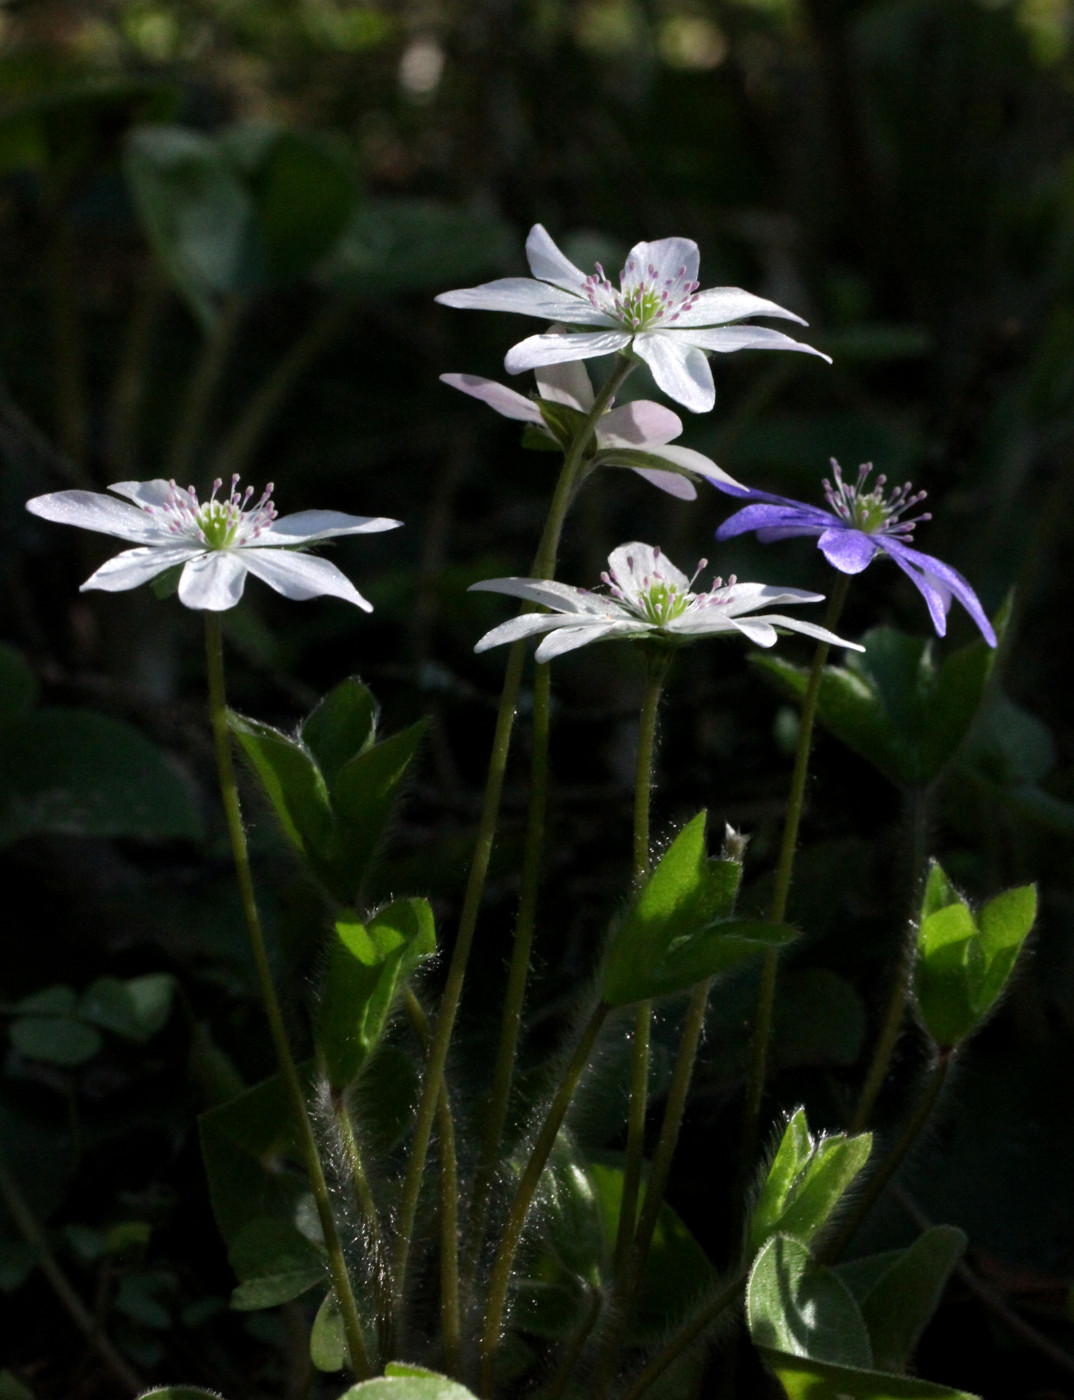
{"points": [[871, 512], [217, 525], [662, 602]]}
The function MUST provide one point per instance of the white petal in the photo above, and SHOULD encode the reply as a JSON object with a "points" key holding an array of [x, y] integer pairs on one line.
{"points": [[633, 566], [809, 629], [566, 639], [554, 347], [146, 493], [681, 370], [136, 566], [508, 402], [668, 256], [671, 482], [90, 510], [213, 582], [566, 383], [305, 526], [550, 594], [526, 297], [718, 305], [302, 576], [692, 461], [549, 264], [726, 339], [757, 629], [640, 422], [746, 597], [525, 625]]}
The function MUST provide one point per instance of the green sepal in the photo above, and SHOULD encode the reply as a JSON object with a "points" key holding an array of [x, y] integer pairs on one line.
{"points": [[798, 1306], [806, 1181], [538, 439], [681, 928], [366, 965], [964, 961], [563, 422], [895, 704]]}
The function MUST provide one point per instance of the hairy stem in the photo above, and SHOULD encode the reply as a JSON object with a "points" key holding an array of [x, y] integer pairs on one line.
{"points": [[891, 1025], [878, 1182], [523, 1198], [685, 1338], [29, 1227], [544, 566], [348, 1308], [766, 996]]}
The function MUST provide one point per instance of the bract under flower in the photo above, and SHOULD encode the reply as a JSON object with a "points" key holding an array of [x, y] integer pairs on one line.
{"points": [[656, 311], [625, 436], [216, 542], [863, 519], [648, 597]]}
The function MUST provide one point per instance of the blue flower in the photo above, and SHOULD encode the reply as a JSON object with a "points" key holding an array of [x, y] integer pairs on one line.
{"points": [[862, 520]]}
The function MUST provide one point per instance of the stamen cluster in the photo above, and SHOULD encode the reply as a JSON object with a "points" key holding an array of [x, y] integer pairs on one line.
{"points": [[217, 524], [659, 599], [874, 511], [642, 300]]}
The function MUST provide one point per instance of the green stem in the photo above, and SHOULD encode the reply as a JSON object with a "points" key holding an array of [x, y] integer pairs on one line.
{"points": [[544, 566], [523, 1198], [685, 1338], [877, 1183], [766, 996], [28, 1226], [518, 972], [639, 1073], [214, 652], [895, 1010], [367, 1206], [267, 399], [573, 1350], [203, 382]]}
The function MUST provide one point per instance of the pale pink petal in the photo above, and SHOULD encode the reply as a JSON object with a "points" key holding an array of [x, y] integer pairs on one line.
{"points": [[692, 461], [551, 594], [508, 402], [566, 383], [671, 482], [640, 422]]}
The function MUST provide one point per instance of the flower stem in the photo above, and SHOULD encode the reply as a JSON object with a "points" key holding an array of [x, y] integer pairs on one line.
{"points": [[766, 996], [28, 1225], [904, 972], [352, 1326], [544, 566], [523, 1198], [686, 1337], [875, 1188]]}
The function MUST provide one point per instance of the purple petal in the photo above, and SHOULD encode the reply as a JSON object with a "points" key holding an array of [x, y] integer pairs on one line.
{"points": [[790, 518], [847, 550], [937, 583]]}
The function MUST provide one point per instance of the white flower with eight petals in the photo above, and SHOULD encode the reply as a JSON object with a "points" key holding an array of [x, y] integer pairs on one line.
{"points": [[657, 311], [215, 542], [648, 597], [625, 436]]}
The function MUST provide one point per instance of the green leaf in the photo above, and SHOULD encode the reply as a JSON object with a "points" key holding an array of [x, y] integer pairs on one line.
{"points": [[679, 931], [11, 1388], [902, 1301], [291, 781], [342, 724], [366, 965], [895, 704], [275, 1263], [363, 793], [963, 962], [179, 1392], [402, 1382], [75, 773], [328, 1340], [135, 1009], [804, 1378], [18, 688], [55, 1040], [141, 1297], [59, 1000], [806, 1181], [795, 1305]]}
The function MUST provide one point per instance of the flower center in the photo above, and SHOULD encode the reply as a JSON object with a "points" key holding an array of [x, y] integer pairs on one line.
{"points": [[224, 523], [643, 299], [657, 599], [873, 511]]}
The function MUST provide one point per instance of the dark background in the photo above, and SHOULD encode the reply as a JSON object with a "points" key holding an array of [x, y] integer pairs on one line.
{"points": [[901, 174]]}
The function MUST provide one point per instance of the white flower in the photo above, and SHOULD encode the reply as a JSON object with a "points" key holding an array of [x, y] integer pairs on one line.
{"points": [[625, 436], [647, 597], [657, 311], [217, 542]]}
